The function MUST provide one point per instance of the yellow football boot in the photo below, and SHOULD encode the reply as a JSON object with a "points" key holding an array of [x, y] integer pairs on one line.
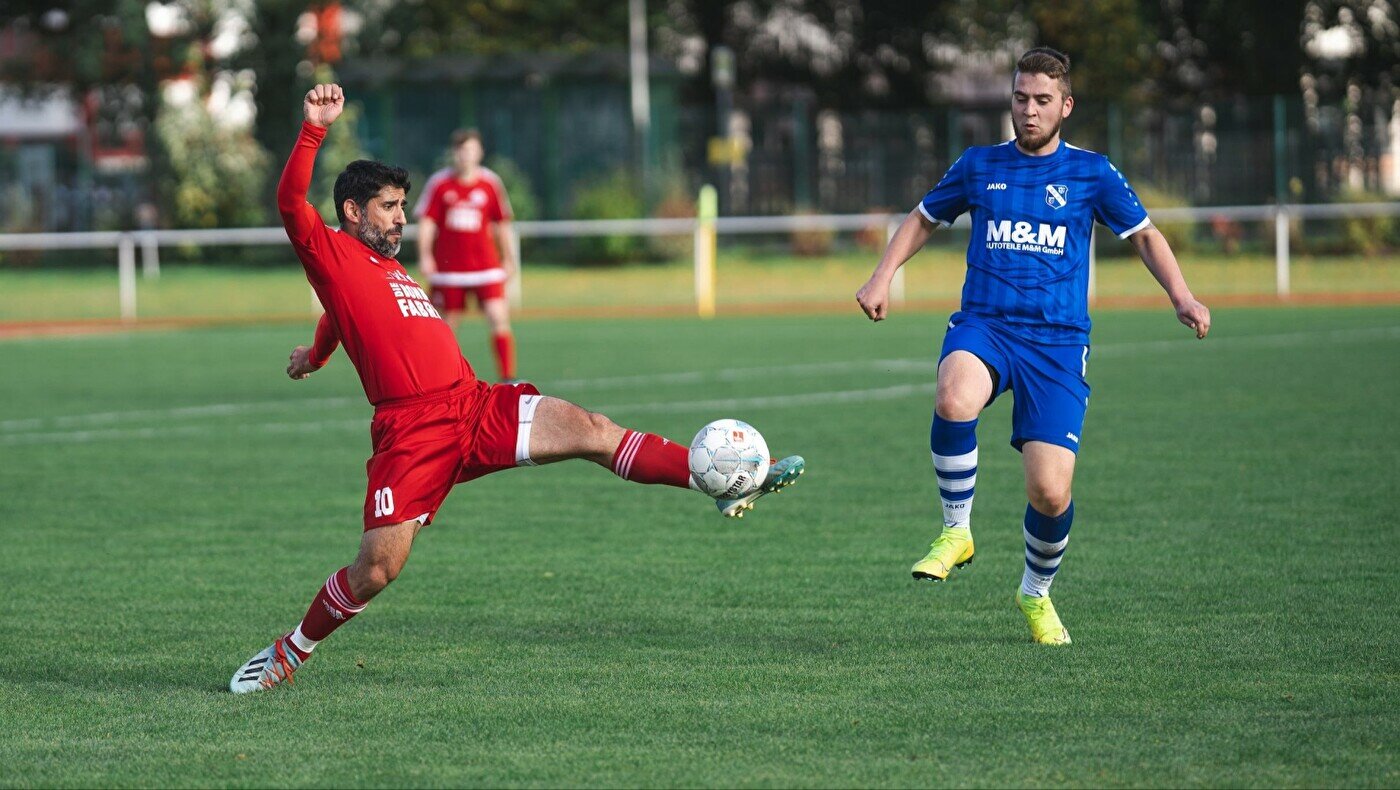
{"points": [[952, 549], [1046, 628]]}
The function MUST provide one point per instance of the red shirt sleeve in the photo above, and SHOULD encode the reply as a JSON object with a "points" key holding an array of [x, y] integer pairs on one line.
{"points": [[436, 210], [493, 207], [302, 221], [503, 207], [325, 343]]}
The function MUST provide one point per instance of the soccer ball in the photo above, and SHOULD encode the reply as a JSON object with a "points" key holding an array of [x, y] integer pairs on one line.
{"points": [[728, 459]]}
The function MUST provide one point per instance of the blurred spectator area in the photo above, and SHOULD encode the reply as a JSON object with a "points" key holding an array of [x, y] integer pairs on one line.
{"points": [[66, 165], [565, 121]]}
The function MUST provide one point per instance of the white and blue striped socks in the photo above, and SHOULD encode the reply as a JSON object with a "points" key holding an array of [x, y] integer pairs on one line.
{"points": [[1046, 540], [954, 446]]}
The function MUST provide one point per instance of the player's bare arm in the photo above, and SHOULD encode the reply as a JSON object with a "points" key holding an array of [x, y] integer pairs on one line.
{"points": [[506, 244], [913, 233], [1157, 255], [427, 237], [323, 104]]}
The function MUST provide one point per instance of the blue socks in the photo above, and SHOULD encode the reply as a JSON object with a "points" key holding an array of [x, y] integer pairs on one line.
{"points": [[954, 446], [1046, 539]]}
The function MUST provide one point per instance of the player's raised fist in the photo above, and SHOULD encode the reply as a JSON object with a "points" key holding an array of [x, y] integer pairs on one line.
{"points": [[323, 104]]}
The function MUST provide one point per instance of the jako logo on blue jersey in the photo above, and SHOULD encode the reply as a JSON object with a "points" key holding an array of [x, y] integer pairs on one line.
{"points": [[1006, 235]]}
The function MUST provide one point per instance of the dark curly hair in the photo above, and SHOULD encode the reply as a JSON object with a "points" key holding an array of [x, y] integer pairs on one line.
{"points": [[361, 181]]}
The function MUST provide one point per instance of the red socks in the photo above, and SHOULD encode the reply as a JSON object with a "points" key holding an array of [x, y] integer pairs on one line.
{"points": [[333, 606], [648, 458], [505, 355]]}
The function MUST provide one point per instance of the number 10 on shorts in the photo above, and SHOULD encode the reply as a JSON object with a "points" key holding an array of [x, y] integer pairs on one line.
{"points": [[383, 502]]}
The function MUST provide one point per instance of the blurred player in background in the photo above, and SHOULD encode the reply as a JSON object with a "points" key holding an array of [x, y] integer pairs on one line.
{"points": [[435, 424], [1024, 323], [465, 246]]}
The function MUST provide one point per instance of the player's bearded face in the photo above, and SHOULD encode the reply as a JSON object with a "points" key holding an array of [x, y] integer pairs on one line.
{"points": [[385, 242], [381, 226], [1033, 134], [1038, 108]]}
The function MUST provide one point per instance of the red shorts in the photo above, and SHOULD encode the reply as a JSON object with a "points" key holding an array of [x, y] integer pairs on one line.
{"points": [[454, 299], [424, 446]]}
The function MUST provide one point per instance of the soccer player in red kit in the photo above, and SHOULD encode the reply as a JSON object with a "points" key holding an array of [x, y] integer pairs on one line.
{"points": [[435, 423], [463, 220]]}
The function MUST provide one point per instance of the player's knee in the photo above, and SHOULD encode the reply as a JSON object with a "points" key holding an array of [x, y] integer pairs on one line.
{"points": [[381, 574], [599, 424], [373, 575], [957, 404], [1048, 498]]}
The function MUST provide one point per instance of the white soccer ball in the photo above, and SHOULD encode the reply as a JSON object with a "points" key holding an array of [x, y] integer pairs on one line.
{"points": [[728, 459]]}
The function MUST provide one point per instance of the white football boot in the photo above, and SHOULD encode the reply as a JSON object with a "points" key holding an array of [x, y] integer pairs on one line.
{"points": [[780, 475], [273, 665]]}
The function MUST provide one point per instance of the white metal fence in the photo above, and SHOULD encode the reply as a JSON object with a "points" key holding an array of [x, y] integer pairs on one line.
{"points": [[148, 242]]}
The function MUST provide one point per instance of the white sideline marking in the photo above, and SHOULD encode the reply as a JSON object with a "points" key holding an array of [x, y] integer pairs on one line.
{"points": [[737, 374], [359, 424], [169, 431], [23, 431], [602, 382], [210, 410]]}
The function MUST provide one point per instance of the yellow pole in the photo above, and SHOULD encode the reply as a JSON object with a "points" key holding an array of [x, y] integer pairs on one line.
{"points": [[706, 248]]}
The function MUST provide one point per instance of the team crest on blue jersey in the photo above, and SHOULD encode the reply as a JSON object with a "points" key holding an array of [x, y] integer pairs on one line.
{"points": [[1056, 195]]}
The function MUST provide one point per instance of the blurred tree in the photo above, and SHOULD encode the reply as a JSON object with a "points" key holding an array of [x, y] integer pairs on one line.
{"points": [[1353, 43], [217, 172], [437, 27], [283, 73], [523, 201], [1206, 49], [886, 52], [1109, 43]]}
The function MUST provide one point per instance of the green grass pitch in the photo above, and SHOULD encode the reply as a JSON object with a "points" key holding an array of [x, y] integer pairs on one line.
{"points": [[169, 502]]}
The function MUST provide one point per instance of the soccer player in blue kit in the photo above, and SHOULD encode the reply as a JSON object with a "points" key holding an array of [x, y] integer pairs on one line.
{"points": [[1024, 322]]}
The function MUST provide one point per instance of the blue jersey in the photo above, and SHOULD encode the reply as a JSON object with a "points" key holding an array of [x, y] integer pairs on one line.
{"points": [[1028, 258]]}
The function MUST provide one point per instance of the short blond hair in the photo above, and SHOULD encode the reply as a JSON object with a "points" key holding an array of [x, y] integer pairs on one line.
{"points": [[1050, 62]]}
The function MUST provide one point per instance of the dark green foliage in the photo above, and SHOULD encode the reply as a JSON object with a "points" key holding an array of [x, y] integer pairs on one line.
{"points": [[616, 195]]}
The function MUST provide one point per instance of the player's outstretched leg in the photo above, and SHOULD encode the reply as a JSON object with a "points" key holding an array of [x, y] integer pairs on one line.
{"points": [[383, 552], [1049, 470], [964, 387], [561, 430]]}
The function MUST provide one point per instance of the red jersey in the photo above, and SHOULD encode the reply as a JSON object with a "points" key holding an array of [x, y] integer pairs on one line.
{"points": [[464, 212], [397, 341]]}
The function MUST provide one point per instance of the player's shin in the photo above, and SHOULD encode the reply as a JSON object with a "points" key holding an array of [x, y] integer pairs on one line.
{"points": [[333, 606], [954, 446], [650, 459], [1046, 540], [504, 344]]}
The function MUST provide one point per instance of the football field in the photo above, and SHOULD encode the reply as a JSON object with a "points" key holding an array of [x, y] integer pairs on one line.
{"points": [[171, 502]]}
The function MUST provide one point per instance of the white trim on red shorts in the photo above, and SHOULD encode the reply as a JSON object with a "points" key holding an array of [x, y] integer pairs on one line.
{"points": [[528, 404], [467, 279]]}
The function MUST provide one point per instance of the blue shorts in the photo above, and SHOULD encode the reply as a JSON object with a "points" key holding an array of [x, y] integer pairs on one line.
{"points": [[1051, 393]]}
